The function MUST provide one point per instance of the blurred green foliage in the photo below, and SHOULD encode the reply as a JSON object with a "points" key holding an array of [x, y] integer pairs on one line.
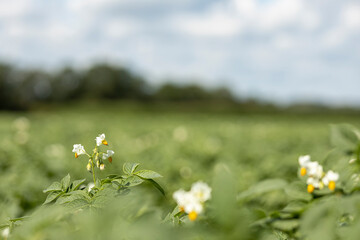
{"points": [[236, 151]]}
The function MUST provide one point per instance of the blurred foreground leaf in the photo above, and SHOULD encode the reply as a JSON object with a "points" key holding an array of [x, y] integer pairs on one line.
{"points": [[263, 187]]}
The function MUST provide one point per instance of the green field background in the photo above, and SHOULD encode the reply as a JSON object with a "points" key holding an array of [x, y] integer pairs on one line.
{"points": [[183, 147]]}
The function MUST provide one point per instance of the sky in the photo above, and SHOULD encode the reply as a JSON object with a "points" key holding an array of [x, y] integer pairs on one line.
{"points": [[283, 51]]}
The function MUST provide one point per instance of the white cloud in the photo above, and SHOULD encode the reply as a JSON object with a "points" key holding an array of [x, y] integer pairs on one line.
{"points": [[346, 26], [212, 24], [350, 16], [15, 8], [279, 13], [257, 45], [227, 19], [119, 28], [284, 41]]}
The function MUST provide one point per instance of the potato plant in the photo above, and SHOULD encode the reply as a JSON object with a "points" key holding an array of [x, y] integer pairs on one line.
{"points": [[320, 202]]}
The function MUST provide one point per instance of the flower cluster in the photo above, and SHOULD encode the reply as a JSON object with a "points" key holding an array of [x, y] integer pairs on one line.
{"points": [[192, 202], [97, 156], [317, 179]]}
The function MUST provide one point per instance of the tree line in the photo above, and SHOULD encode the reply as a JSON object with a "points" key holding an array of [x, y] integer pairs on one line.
{"points": [[20, 89], [24, 89]]}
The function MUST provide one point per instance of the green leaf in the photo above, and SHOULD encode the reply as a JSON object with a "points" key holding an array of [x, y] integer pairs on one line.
{"points": [[19, 219], [345, 137], [72, 196], [55, 186], [147, 174], [77, 183], [223, 197], [52, 196], [105, 180], [113, 176], [78, 204], [280, 235], [297, 191], [286, 225], [103, 197], [98, 183], [132, 181], [155, 184], [4, 226], [118, 182], [295, 207], [65, 182], [263, 187], [129, 168], [353, 232], [320, 221], [262, 222]]}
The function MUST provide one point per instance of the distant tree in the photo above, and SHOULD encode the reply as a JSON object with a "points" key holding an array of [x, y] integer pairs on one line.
{"points": [[66, 84], [222, 94], [173, 92], [5, 71], [105, 81]]}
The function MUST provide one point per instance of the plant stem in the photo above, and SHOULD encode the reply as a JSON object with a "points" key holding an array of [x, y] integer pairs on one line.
{"points": [[93, 170], [92, 165]]}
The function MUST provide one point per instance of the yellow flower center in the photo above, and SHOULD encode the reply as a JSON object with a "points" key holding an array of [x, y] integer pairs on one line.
{"points": [[303, 171], [76, 155], [310, 188], [332, 185], [104, 142], [192, 216]]}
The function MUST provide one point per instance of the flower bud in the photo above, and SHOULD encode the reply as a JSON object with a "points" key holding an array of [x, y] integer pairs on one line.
{"points": [[102, 166], [88, 167]]}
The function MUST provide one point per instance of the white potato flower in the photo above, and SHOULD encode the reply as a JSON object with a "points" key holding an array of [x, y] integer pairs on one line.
{"points": [[101, 140], [315, 170], [330, 179], [108, 155], [201, 190], [191, 202], [78, 150], [313, 183], [187, 201], [191, 205], [317, 179], [179, 196], [304, 161], [5, 233]]}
